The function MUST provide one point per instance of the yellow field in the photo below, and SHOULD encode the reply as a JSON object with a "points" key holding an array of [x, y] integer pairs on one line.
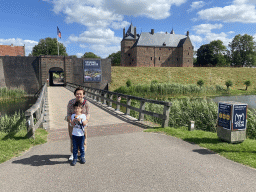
{"points": [[210, 75]]}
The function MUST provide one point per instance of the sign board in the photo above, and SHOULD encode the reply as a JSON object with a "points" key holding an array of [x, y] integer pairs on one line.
{"points": [[232, 115], [239, 117], [92, 70], [224, 115]]}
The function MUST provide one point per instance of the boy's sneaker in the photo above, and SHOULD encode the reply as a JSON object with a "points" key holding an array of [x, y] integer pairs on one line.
{"points": [[74, 162], [82, 160], [71, 158]]}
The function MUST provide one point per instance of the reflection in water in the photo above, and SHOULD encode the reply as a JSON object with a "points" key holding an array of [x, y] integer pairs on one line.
{"points": [[22, 105], [249, 99]]}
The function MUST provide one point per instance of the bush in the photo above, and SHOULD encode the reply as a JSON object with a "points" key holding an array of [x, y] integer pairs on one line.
{"points": [[128, 83], [154, 82], [229, 83], [200, 83], [12, 123]]}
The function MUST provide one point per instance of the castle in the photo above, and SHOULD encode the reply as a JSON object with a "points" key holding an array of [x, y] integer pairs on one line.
{"points": [[155, 49]]}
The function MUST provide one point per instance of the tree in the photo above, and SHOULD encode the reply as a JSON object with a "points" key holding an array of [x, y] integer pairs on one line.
{"points": [[90, 55], [247, 84], [115, 58], [212, 54], [242, 51], [228, 83], [73, 56], [200, 83], [48, 46]]}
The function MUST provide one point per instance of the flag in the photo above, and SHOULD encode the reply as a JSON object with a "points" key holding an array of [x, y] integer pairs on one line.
{"points": [[58, 32]]}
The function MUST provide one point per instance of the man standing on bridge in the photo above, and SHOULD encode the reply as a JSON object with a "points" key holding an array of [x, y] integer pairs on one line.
{"points": [[79, 94]]}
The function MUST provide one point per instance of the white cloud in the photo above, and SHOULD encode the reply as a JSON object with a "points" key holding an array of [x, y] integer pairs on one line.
{"points": [[195, 38], [196, 5], [105, 51], [242, 11], [231, 32], [29, 44], [221, 36], [206, 28], [79, 55], [96, 36], [119, 25]]}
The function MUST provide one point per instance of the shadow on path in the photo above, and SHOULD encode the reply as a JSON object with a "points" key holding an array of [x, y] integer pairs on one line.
{"points": [[41, 160]]}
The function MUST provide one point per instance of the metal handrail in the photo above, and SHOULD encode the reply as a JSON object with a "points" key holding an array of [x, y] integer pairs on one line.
{"points": [[36, 110], [99, 94]]}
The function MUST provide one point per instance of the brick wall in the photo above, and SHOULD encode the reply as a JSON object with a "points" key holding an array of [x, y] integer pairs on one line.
{"points": [[11, 50], [187, 53], [21, 72]]}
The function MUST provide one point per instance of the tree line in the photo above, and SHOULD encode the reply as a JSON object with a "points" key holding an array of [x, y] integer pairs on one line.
{"points": [[241, 52], [48, 46]]}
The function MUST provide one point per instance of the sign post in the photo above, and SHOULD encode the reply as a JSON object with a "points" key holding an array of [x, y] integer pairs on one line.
{"points": [[232, 119]]}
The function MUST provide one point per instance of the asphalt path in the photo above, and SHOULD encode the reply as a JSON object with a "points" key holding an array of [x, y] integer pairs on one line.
{"points": [[125, 161]]}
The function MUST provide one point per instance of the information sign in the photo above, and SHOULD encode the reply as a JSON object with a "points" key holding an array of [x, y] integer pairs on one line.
{"points": [[92, 70], [239, 117]]}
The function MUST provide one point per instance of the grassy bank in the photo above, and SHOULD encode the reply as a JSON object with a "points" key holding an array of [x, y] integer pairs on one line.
{"points": [[243, 153], [212, 76], [13, 139]]}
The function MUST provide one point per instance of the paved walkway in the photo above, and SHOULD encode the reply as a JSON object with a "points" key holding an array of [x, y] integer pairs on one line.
{"points": [[120, 157]]}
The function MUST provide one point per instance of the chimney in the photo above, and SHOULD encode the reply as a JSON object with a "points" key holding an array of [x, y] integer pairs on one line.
{"points": [[152, 31], [123, 32], [11, 45], [135, 33], [187, 33]]}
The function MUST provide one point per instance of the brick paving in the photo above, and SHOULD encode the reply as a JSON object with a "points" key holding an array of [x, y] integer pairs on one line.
{"points": [[104, 120]]}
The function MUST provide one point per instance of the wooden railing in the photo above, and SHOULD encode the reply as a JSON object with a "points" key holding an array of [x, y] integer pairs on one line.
{"points": [[35, 114], [103, 96]]}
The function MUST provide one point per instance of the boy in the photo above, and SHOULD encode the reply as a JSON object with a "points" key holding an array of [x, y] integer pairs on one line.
{"points": [[78, 121]]}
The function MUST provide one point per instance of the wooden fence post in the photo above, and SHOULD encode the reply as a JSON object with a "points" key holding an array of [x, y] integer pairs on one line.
{"points": [[166, 113], [128, 102], [30, 125], [142, 107], [110, 102], [105, 96], [118, 105]]}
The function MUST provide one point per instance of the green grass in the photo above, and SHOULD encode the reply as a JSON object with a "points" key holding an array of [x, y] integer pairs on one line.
{"points": [[244, 153], [10, 95], [12, 144]]}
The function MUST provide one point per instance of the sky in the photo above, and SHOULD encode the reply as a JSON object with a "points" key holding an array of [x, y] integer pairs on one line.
{"points": [[97, 25]]}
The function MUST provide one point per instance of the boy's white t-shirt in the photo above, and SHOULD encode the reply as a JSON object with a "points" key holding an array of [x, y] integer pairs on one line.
{"points": [[77, 131]]}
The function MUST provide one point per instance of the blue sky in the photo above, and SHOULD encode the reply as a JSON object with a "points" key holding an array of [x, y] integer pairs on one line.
{"points": [[97, 25]]}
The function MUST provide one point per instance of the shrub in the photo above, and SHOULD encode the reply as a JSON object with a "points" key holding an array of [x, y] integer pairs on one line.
{"points": [[128, 83], [229, 83], [154, 82], [200, 83], [247, 84]]}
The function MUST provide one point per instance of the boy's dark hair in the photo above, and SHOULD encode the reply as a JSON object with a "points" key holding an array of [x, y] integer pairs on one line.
{"points": [[78, 104], [79, 88]]}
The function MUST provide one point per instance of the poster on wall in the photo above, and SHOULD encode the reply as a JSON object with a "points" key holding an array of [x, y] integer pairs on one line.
{"points": [[224, 114], [92, 70]]}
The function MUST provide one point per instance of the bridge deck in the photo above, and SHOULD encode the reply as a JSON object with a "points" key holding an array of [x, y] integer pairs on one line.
{"points": [[103, 121]]}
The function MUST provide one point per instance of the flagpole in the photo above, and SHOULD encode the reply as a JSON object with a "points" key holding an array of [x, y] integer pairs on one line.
{"points": [[58, 45]]}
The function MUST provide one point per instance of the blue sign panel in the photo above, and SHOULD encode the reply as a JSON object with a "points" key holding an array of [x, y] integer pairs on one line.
{"points": [[92, 70], [224, 113], [239, 117]]}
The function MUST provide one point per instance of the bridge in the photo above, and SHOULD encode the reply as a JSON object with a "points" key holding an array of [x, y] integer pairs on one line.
{"points": [[119, 157]]}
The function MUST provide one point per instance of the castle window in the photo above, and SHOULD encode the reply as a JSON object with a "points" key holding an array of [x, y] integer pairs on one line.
{"points": [[188, 60], [151, 58], [129, 54], [188, 53], [189, 48], [132, 60], [177, 59], [159, 48], [168, 59], [159, 58]]}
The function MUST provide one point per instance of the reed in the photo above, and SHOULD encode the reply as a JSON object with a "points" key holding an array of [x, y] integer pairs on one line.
{"points": [[11, 94], [12, 123]]}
